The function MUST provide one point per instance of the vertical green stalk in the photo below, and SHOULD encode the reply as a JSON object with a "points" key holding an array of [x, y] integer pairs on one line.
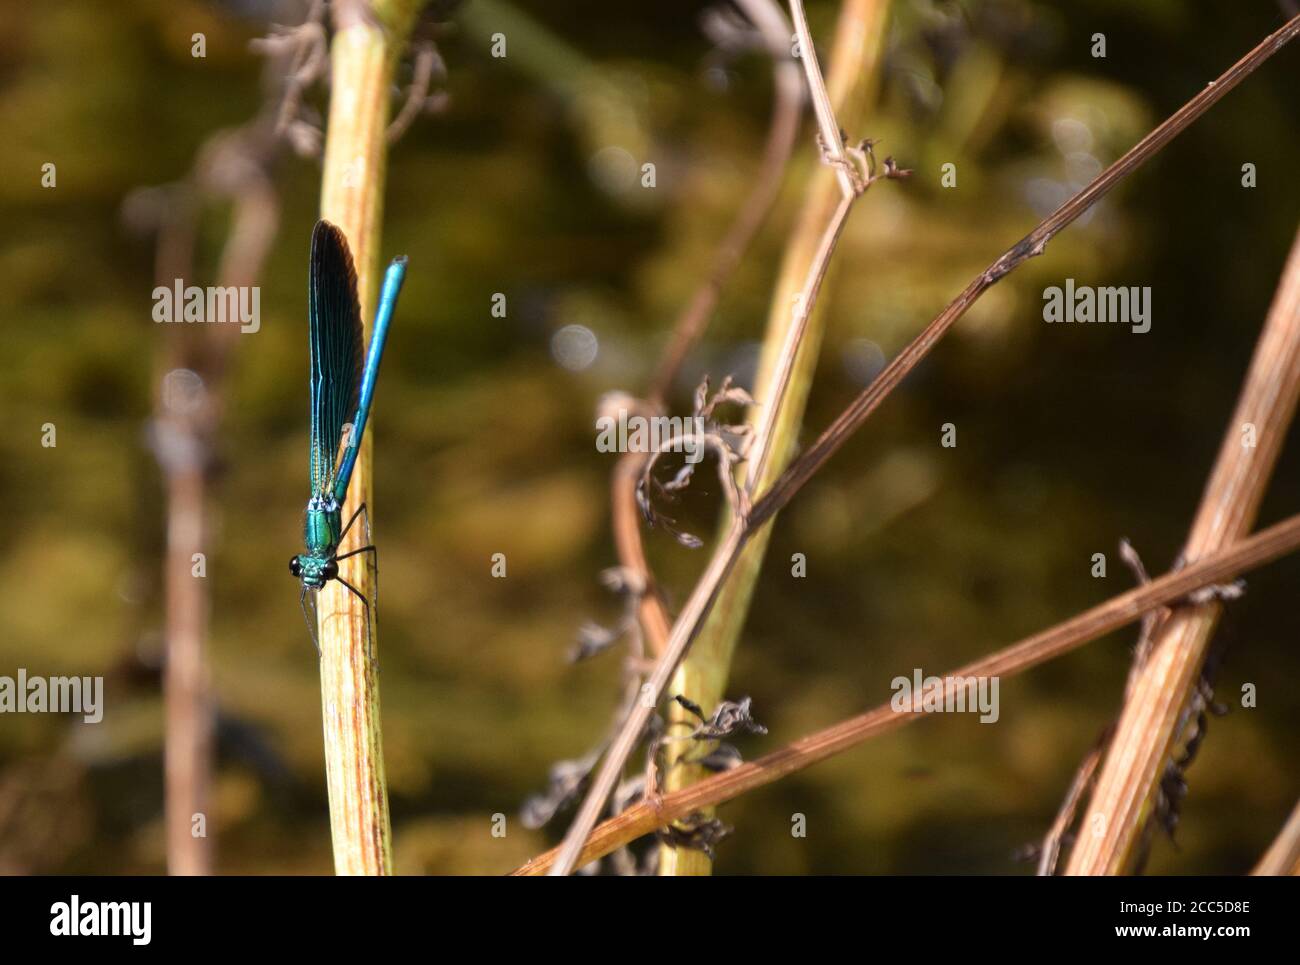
{"points": [[859, 36], [368, 42]]}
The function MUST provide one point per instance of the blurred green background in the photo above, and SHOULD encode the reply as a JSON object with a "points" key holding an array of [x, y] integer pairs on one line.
{"points": [[918, 556]]}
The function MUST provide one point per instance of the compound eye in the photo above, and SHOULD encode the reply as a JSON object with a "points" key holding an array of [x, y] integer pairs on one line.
{"points": [[331, 570], [295, 567]]}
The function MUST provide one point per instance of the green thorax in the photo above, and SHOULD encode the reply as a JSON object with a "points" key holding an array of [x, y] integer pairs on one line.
{"points": [[324, 524], [321, 534]]}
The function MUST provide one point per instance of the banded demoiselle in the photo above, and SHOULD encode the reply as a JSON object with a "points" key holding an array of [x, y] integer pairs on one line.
{"points": [[342, 389]]}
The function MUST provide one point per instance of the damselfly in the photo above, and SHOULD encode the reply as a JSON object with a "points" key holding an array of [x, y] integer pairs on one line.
{"points": [[342, 389]]}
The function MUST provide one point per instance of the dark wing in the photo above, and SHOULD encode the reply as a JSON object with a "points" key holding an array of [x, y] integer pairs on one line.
{"points": [[336, 349]]}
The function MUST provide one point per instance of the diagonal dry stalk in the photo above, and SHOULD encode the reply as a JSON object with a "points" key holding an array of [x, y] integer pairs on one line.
{"points": [[1033, 244], [368, 42], [1283, 855], [1171, 589], [1155, 711], [724, 558], [855, 58]]}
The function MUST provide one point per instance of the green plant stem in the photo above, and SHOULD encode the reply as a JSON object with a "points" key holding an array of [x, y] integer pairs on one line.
{"points": [[368, 41], [702, 676]]}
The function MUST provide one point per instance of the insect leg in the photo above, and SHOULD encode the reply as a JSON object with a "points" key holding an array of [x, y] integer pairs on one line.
{"points": [[360, 511], [365, 514], [370, 640], [363, 549], [374, 559]]}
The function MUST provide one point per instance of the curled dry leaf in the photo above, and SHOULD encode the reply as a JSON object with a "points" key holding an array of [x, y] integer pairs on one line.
{"points": [[724, 757], [729, 717], [697, 832], [727, 442], [565, 781]]}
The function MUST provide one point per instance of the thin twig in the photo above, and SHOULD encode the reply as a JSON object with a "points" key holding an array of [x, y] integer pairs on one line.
{"points": [[691, 323], [850, 189], [1031, 245], [787, 89], [306, 48], [644, 817], [832, 136], [1050, 851], [764, 436], [785, 374], [702, 598], [425, 64]]}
